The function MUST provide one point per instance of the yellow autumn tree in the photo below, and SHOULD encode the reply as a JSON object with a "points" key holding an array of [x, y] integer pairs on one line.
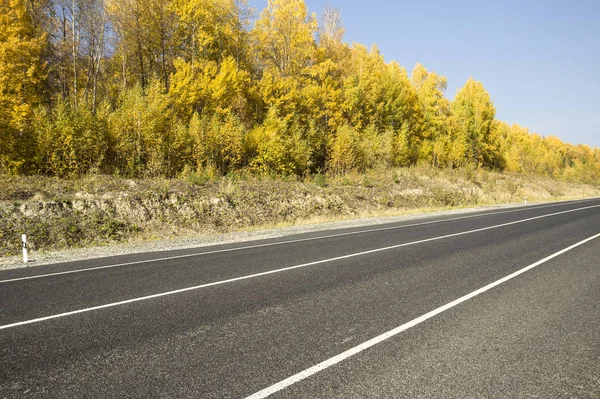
{"points": [[436, 111], [283, 39], [140, 130], [381, 95], [212, 89], [363, 86], [284, 35], [155, 87], [146, 46], [71, 139], [331, 34], [474, 112], [22, 73], [217, 143], [321, 96], [402, 111], [212, 74], [553, 157], [279, 146], [343, 155]]}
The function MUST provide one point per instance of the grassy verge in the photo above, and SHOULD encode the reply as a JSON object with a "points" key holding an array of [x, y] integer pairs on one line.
{"points": [[100, 210]]}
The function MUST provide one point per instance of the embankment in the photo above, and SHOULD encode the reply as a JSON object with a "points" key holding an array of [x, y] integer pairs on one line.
{"points": [[100, 210]]}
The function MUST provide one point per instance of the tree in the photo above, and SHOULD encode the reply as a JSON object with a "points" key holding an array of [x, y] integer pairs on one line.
{"points": [[379, 94], [146, 32], [402, 111], [331, 34], [363, 89], [343, 156], [141, 130], [213, 30], [474, 113], [154, 87], [22, 76], [436, 111], [217, 143], [284, 36], [321, 98], [212, 72], [212, 89], [72, 140], [279, 146]]}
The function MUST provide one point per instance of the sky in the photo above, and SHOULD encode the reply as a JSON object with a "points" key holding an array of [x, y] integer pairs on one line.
{"points": [[539, 60]]}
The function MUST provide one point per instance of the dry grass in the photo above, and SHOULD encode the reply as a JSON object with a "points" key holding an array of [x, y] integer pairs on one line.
{"points": [[100, 210]]}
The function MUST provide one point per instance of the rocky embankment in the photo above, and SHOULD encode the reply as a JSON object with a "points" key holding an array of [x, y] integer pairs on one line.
{"points": [[103, 210]]}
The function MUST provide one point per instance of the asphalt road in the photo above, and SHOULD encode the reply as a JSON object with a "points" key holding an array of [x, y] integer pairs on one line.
{"points": [[366, 312]]}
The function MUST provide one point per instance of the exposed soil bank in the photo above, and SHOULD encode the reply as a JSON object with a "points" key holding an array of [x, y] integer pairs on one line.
{"points": [[100, 210]]}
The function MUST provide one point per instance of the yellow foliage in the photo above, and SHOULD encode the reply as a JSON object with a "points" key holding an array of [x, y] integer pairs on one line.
{"points": [[217, 142], [322, 94], [474, 113], [140, 128], [280, 147], [72, 140], [281, 93], [190, 84], [284, 35], [22, 73], [436, 111], [211, 88], [342, 150]]}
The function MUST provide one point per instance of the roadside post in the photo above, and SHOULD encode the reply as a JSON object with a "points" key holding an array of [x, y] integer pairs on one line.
{"points": [[525, 201], [24, 243]]}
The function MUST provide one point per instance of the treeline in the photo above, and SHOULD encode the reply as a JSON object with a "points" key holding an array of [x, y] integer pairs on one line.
{"points": [[164, 87]]}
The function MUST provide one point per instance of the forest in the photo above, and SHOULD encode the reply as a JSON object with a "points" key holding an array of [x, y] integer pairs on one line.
{"points": [[165, 88]]}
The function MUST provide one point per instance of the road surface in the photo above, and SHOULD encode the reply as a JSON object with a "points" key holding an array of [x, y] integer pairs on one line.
{"points": [[499, 303]]}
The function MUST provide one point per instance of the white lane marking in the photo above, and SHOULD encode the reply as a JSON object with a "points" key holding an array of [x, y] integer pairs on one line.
{"points": [[251, 276], [387, 335], [288, 242]]}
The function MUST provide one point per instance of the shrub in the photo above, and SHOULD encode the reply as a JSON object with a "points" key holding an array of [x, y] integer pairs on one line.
{"points": [[342, 152], [72, 141]]}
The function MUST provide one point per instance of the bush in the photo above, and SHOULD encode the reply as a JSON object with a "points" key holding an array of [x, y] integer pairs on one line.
{"points": [[217, 143], [320, 179], [279, 147], [342, 152], [72, 141], [140, 132]]}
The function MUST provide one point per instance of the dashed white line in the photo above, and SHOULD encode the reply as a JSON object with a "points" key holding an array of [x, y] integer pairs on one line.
{"points": [[280, 243], [251, 276], [387, 335]]}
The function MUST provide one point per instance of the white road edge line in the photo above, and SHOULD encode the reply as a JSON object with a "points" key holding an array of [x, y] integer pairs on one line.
{"points": [[385, 336], [197, 254], [251, 276]]}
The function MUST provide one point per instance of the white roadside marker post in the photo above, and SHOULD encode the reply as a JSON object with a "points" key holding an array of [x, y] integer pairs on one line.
{"points": [[24, 242], [525, 201]]}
